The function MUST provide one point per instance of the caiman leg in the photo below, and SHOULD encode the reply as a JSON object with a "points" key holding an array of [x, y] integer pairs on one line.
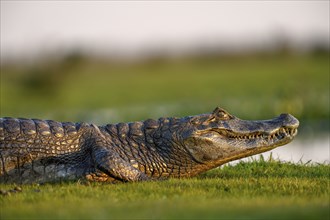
{"points": [[111, 163]]}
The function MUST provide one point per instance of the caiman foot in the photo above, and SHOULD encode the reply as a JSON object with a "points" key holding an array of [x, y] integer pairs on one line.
{"points": [[99, 177]]}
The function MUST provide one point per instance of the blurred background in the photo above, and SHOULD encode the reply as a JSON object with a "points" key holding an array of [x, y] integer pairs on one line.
{"points": [[111, 61]]}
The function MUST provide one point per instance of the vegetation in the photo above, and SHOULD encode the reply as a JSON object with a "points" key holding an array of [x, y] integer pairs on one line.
{"points": [[249, 190], [257, 86], [251, 87]]}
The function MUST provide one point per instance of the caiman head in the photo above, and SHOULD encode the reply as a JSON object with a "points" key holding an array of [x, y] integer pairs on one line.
{"points": [[219, 137]]}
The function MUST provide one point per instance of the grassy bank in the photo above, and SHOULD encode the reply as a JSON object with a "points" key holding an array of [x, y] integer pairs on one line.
{"points": [[250, 87], [255, 189]]}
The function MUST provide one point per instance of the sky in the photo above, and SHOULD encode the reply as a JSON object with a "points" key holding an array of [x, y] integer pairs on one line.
{"points": [[33, 27]]}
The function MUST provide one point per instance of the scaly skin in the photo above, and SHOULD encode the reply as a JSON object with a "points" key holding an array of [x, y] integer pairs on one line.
{"points": [[37, 151]]}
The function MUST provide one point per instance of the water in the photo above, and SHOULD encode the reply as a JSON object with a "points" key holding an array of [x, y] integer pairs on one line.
{"points": [[311, 150]]}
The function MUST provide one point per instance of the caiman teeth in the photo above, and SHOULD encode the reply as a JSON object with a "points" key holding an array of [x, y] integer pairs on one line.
{"points": [[283, 132], [278, 134]]}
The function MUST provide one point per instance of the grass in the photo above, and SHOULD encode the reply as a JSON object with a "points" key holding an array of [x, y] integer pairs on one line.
{"points": [[249, 190]]}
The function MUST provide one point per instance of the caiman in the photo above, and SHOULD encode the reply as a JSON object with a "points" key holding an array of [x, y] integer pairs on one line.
{"points": [[39, 151]]}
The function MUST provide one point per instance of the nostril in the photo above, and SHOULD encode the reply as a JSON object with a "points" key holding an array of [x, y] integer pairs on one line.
{"points": [[284, 115]]}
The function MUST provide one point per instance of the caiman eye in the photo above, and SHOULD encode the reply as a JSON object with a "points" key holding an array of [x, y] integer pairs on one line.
{"points": [[221, 114]]}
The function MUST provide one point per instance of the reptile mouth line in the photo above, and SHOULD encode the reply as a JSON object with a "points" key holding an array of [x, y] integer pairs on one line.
{"points": [[281, 133]]}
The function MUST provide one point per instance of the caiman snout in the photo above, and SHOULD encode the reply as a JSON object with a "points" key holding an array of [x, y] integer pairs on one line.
{"points": [[288, 121]]}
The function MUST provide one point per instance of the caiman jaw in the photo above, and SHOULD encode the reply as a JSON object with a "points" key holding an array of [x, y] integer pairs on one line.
{"points": [[272, 137]]}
